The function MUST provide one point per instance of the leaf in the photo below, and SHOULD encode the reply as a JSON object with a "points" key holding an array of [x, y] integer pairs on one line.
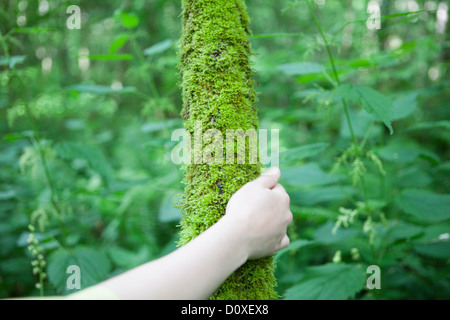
{"points": [[438, 250], [307, 175], [297, 244], [6, 195], [425, 205], [361, 120], [412, 177], [128, 259], [402, 152], [94, 267], [299, 68], [328, 282], [314, 213], [118, 43], [95, 159], [98, 89], [33, 30], [315, 196], [150, 127], [436, 232], [404, 106], [324, 234], [373, 101], [18, 136], [168, 211], [129, 20], [403, 230], [303, 152], [158, 48], [12, 61], [443, 124]]}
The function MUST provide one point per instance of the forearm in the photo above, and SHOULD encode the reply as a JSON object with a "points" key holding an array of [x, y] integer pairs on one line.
{"points": [[193, 271]]}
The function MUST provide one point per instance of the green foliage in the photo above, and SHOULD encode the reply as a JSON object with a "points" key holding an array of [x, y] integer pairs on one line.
{"points": [[328, 282], [425, 205], [373, 102], [94, 267]]}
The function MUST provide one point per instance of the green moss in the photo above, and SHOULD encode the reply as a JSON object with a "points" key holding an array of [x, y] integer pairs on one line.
{"points": [[218, 90]]}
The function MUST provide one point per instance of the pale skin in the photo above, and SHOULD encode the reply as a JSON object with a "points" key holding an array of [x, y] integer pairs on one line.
{"points": [[254, 226]]}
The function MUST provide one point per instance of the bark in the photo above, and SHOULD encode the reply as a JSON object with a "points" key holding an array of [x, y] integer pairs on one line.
{"points": [[218, 90]]}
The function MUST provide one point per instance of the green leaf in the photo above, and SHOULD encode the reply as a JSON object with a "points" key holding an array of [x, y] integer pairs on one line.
{"points": [[436, 232], [412, 177], [94, 267], [307, 175], [98, 89], [297, 244], [128, 259], [150, 127], [6, 195], [314, 213], [303, 152], [438, 250], [425, 205], [404, 106], [158, 48], [311, 197], [129, 20], [324, 234], [33, 30], [373, 101], [96, 160], [328, 282], [402, 152], [118, 43], [17, 136], [168, 211], [361, 120], [443, 124], [12, 61], [299, 68], [403, 230]]}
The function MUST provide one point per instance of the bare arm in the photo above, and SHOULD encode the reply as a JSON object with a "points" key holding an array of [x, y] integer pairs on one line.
{"points": [[254, 226]]}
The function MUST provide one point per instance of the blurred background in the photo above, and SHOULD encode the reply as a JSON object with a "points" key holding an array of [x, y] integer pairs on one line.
{"points": [[86, 117]]}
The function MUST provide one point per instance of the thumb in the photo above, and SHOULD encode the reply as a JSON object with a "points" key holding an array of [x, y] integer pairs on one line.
{"points": [[269, 179]]}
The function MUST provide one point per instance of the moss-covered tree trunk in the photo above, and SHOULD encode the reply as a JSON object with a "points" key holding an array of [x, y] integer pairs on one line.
{"points": [[218, 91]]}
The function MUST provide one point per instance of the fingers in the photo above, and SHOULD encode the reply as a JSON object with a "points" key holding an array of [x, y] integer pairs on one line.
{"points": [[282, 194], [269, 179], [285, 242]]}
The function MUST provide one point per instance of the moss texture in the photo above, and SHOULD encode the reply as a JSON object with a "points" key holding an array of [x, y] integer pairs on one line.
{"points": [[218, 90]]}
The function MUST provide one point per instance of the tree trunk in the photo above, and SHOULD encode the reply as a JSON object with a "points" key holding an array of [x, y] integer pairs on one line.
{"points": [[218, 92]]}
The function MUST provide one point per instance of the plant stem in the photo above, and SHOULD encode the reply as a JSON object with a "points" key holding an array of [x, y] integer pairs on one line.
{"points": [[330, 55], [141, 58], [333, 65], [35, 140], [349, 121]]}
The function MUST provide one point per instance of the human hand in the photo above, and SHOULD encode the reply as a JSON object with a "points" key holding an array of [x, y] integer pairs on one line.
{"points": [[260, 214]]}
